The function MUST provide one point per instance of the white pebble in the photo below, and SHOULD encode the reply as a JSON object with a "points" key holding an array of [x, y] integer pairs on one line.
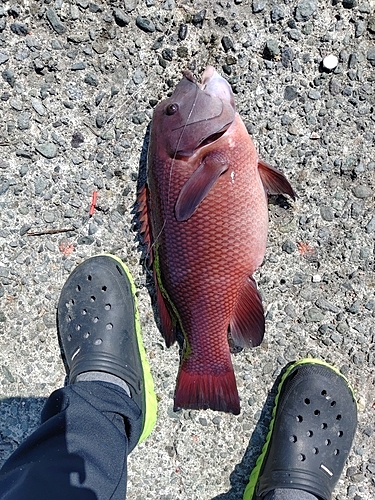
{"points": [[330, 62], [316, 278]]}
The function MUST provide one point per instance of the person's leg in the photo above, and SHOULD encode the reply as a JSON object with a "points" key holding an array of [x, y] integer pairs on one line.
{"points": [[310, 435], [89, 427]]}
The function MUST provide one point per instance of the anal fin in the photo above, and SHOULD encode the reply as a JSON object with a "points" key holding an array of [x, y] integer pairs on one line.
{"points": [[248, 324]]}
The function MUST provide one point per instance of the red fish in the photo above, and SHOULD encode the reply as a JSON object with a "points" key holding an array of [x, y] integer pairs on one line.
{"points": [[204, 215]]}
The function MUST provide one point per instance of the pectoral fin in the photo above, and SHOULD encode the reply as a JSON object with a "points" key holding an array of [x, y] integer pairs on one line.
{"points": [[247, 324], [199, 185], [274, 181]]}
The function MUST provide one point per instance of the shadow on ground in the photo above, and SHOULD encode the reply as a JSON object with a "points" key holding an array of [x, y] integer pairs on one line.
{"points": [[19, 417]]}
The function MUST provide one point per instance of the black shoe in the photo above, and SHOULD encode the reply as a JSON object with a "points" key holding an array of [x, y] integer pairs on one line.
{"points": [[98, 322], [310, 435]]}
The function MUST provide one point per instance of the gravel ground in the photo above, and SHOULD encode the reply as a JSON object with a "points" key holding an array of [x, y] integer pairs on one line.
{"points": [[79, 80]]}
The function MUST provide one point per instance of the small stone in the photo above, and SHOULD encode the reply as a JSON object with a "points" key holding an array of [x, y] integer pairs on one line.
{"points": [[145, 24], [267, 368], [78, 66], [314, 94], [371, 55], [182, 31], [227, 43], [138, 76], [277, 13], [130, 5], [271, 49], [370, 226], [48, 149], [349, 4], [325, 305], [288, 247], [305, 9], [49, 217], [362, 191], [360, 28], [290, 93], [330, 62], [54, 21], [326, 213], [91, 79], [259, 5], [3, 57], [77, 140], [19, 29], [121, 19], [198, 18], [313, 315], [38, 106], [316, 278], [23, 121], [8, 76]]}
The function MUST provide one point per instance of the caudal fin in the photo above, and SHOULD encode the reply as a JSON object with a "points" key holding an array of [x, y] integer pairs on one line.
{"points": [[200, 391]]}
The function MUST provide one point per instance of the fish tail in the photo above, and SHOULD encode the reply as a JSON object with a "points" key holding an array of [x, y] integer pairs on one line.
{"points": [[200, 391]]}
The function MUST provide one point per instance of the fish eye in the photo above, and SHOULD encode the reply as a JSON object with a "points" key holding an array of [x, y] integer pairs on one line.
{"points": [[172, 109]]}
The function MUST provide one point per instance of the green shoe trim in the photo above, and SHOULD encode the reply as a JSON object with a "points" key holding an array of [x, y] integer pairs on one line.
{"points": [[254, 476], [150, 413]]}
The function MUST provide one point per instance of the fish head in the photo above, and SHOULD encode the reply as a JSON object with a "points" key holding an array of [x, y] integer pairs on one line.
{"points": [[195, 115]]}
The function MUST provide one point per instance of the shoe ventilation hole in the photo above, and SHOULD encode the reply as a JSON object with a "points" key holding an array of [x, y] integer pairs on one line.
{"points": [[119, 269], [309, 433], [98, 341], [93, 298], [315, 451], [323, 393], [70, 303], [327, 442], [324, 426], [104, 288], [301, 457], [317, 413], [83, 312], [78, 288], [69, 337], [68, 319], [89, 277], [86, 335], [338, 417], [307, 401], [78, 327], [107, 307], [95, 320], [108, 326], [333, 403], [340, 434], [336, 452], [299, 418], [293, 439]]}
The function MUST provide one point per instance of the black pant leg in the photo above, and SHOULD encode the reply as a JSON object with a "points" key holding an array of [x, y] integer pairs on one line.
{"points": [[80, 450]]}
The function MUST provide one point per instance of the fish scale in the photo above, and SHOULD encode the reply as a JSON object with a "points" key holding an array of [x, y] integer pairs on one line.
{"points": [[206, 214]]}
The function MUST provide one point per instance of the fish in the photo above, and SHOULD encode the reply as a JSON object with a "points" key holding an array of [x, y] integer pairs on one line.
{"points": [[203, 216]]}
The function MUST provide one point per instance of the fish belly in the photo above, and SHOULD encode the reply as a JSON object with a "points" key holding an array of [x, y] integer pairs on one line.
{"points": [[204, 264]]}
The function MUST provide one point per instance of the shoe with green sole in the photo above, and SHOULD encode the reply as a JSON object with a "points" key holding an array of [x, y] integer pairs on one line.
{"points": [[99, 329], [312, 428]]}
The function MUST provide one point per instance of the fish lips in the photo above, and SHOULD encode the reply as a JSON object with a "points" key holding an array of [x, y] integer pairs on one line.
{"points": [[193, 117]]}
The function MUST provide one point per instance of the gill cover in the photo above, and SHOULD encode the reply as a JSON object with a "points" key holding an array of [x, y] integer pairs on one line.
{"points": [[193, 116]]}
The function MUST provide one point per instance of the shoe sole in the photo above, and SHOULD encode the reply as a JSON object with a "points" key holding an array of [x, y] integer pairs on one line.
{"points": [[150, 396]]}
